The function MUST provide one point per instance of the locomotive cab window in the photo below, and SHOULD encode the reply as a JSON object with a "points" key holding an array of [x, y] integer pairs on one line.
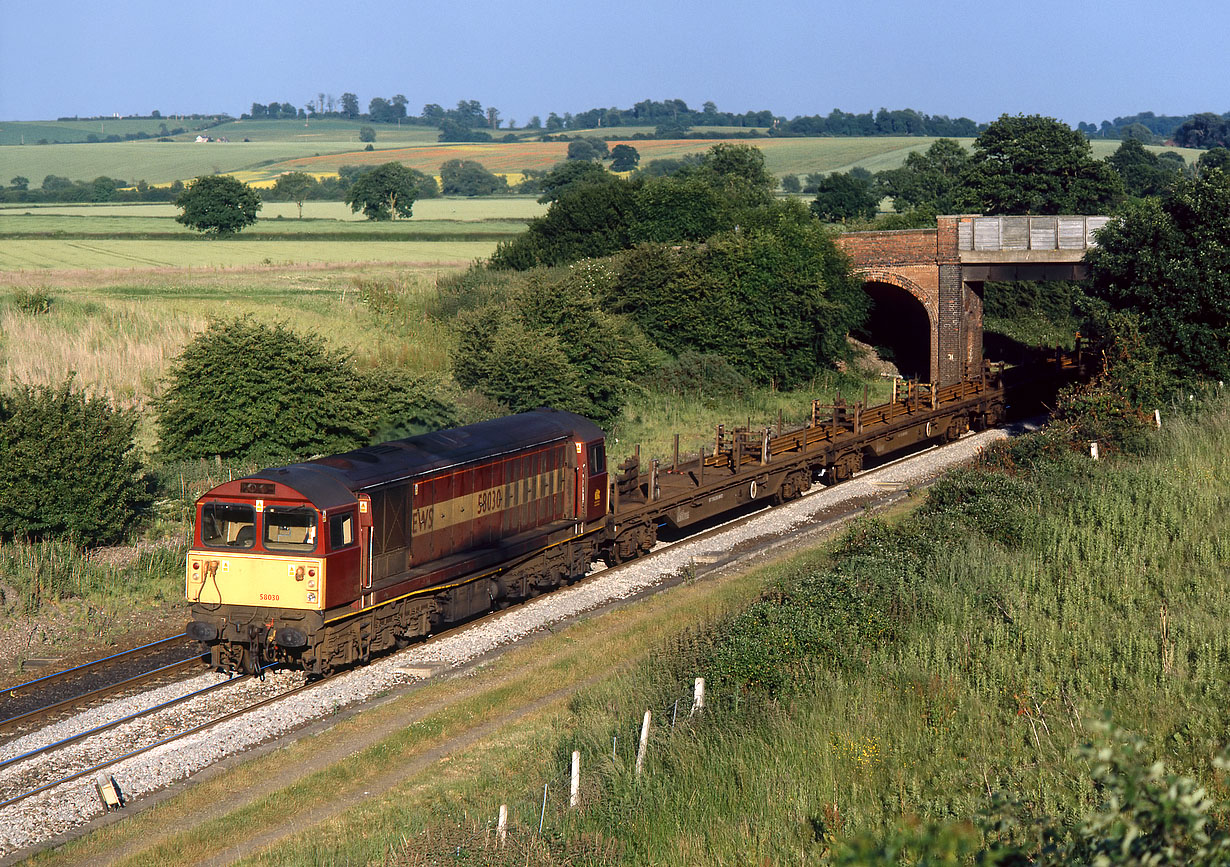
{"points": [[597, 459], [228, 525], [290, 528], [341, 531]]}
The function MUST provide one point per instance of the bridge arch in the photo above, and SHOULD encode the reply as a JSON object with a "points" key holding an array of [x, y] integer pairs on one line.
{"points": [[905, 318]]}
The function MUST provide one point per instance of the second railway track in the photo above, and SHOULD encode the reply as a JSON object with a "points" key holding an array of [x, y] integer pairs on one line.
{"points": [[29, 705]]}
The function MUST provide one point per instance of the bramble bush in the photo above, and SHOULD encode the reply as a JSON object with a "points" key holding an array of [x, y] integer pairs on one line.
{"points": [[67, 466], [1147, 816], [546, 342], [252, 392]]}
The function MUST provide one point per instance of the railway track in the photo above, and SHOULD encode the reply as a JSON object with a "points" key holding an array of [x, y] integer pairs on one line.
{"points": [[44, 700], [39, 769], [17, 771]]}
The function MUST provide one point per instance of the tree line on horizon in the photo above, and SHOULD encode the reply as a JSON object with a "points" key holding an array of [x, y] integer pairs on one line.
{"points": [[469, 120]]}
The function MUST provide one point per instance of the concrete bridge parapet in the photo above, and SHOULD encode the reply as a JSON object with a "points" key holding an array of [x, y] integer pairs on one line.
{"points": [[944, 268]]}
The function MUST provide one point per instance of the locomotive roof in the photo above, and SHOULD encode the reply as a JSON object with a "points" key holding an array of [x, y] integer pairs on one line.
{"points": [[333, 480]]}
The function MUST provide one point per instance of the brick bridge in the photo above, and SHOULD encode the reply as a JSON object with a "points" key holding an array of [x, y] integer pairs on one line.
{"points": [[943, 269]]}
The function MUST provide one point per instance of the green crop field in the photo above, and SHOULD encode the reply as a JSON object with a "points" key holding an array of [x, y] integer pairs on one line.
{"points": [[468, 210], [34, 255], [782, 155], [32, 132], [450, 219], [443, 232], [152, 161]]}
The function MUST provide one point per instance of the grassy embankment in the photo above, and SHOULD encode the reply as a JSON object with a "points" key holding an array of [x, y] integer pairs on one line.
{"points": [[961, 650]]}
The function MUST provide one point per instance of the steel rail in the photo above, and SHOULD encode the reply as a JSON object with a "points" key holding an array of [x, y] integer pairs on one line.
{"points": [[100, 692], [13, 690], [148, 747], [52, 747]]}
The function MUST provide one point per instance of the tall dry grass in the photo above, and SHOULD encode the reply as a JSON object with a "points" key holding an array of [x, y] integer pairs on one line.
{"points": [[119, 350]]}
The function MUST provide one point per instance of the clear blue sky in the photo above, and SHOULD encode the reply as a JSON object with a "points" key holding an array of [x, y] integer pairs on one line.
{"points": [[1071, 59]]}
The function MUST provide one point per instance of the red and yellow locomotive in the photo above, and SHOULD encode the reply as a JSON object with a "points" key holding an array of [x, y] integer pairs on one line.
{"points": [[320, 564]]}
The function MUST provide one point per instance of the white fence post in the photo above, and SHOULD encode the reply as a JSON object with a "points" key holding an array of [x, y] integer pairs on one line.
{"points": [[698, 697], [1157, 419], [1093, 450], [501, 828], [640, 751], [574, 796]]}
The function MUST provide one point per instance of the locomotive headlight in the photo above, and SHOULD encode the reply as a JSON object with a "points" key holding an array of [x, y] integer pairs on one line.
{"points": [[311, 585], [311, 598]]}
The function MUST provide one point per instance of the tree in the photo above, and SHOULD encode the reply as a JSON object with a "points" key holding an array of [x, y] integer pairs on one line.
{"points": [[367, 134], [791, 184], [103, 189], [842, 196], [379, 110], [726, 187], [350, 105], [624, 158], [67, 465], [931, 179], [1205, 130], [1036, 165], [571, 173], [384, 193], [469, 178], [582, 149], [20, 183], [218, 204], [254, 392], [546, 341], [454, 130], [294, 187], [774, 297], [1142, 172], [1168, 261], [1213, 158], [739, 170]]}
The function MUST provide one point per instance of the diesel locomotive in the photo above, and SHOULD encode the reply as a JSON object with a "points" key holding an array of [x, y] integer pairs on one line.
{"points": [[319, 564]]}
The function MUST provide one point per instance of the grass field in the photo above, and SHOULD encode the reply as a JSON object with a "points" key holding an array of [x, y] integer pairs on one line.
{"points": [[444, 232], [119, 330], [26, 255], [475, 210], [323, 146]]}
